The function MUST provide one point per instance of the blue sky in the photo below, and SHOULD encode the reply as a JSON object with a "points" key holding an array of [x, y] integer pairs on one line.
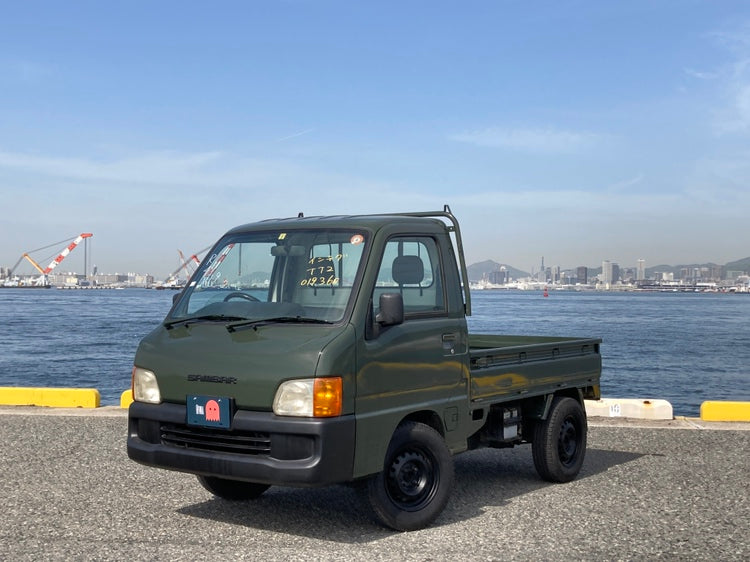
{"points": [[577, 131]]}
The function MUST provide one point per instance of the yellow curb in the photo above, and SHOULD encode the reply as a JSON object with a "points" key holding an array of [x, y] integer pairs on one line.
{"points": [[126, 399], [52, 397], [725, 411]]}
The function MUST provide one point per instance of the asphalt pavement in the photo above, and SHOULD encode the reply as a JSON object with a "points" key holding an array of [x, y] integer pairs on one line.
{"points": [[669, 490]]}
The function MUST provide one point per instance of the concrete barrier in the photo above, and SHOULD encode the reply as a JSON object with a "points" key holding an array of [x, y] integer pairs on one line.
{"points": [[725, 411], [637, 408], [629, 408], [52, 397], [126, 399]]}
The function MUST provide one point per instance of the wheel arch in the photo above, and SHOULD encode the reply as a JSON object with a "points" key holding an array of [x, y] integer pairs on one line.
{"points": [[427, 417], [537, 409], [374, 437], [574, 393]]}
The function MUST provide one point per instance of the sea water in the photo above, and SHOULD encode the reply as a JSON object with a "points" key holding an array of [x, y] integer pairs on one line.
{"points": [[684, 348]]}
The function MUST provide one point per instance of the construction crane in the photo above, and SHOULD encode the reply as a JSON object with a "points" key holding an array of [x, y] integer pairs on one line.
{"points": [[30, 260], [184, 264], [54, 263], [187, 264]]}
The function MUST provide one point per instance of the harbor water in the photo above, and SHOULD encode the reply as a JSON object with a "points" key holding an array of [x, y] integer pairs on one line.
{"points": [[681, 347]]}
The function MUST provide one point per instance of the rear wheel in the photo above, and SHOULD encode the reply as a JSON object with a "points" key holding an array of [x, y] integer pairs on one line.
{"points": [[559, 444], [416, 481], [233, 490]]}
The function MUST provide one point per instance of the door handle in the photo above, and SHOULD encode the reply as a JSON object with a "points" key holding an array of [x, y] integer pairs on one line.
{"points": [[449, 343]]}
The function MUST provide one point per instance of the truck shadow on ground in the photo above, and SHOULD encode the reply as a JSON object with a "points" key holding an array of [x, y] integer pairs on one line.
{"points": [[341, 513]]}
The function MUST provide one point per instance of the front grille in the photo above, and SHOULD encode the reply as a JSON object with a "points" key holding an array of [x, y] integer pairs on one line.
{"points": [[238, 442]]}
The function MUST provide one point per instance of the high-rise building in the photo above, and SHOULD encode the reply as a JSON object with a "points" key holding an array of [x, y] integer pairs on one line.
{"points": [[499, 277], [555, 274], [583, 274], [641, 271], [610, 272]]}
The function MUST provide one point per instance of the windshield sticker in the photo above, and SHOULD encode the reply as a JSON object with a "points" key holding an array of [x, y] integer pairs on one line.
{"points": [[357, 239], [282, 236], [320, 272], [215, 262]]}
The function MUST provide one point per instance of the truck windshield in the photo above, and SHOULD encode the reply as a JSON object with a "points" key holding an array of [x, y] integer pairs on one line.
{"points": [[297, 274]]}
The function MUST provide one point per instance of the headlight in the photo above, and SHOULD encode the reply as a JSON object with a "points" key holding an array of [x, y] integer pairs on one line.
{"points": [[319, 398], [145, 386]]}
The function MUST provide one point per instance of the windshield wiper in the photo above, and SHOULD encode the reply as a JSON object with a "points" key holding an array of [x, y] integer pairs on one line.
{"points": [[245, 324], [206, 318]]}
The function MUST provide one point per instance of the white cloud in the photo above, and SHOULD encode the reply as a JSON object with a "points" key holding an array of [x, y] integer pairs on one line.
{"points": [[531, 140], [165, 167], [733, 80], [294, 135], [626, 183], [211, 181], [162, 199], [19, 70], [742, 99], [701, 75]]}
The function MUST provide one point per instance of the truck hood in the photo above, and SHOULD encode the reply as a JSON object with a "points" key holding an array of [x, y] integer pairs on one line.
{"points": [[246, 365]]}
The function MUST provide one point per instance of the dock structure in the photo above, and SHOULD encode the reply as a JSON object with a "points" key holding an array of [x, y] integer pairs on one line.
{"points": [[636, 408], [672, 489]]}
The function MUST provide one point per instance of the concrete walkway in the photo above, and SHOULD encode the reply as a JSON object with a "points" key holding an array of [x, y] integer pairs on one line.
{"points": [[672, 490]]}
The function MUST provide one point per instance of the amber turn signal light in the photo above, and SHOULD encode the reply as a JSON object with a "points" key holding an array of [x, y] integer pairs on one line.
{"points": [[327, 397]]}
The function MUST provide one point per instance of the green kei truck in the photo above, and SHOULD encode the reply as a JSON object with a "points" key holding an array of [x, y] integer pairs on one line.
{"points": [[311, 351]]}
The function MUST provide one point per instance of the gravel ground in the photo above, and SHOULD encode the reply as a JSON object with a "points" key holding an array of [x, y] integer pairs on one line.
{"points": [[647, 491]]}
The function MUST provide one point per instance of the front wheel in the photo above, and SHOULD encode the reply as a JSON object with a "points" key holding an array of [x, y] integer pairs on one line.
{"points": [[233, 490], [559, 444], [416, 481]]}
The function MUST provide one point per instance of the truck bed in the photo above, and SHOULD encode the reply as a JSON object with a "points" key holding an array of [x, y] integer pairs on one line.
{"points": [[504, 366]]}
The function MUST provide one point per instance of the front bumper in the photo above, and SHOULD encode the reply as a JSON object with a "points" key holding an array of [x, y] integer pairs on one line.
{"points": [[260, 447]]}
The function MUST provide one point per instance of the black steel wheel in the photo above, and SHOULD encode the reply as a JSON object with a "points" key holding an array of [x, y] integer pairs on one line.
{"points": [[416, 481], [233, 490], [559, 444]]}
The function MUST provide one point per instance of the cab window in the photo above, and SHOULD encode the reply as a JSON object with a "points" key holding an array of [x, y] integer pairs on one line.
{"points": [[411, 266]]}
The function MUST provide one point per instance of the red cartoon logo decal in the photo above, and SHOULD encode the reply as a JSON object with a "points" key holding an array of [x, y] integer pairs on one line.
{"points": [[212, 411]]}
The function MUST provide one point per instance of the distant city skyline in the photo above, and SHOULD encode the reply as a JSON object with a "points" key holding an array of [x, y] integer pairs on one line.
{"points": [[639, 270], [638, 266], [581, 131]]}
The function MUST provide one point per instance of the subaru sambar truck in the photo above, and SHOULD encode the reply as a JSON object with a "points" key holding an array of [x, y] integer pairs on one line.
{"points": [[319, 350]]}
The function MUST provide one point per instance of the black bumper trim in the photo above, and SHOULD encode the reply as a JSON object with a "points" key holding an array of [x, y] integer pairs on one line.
{"points": [[329, 461]]}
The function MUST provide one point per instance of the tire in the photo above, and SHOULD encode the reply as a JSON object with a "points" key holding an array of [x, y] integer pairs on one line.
{"points": [[559, 444], [232, 490], [416, 481]]}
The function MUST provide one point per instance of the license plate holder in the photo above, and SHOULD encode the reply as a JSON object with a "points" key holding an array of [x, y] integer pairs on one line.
{"points": [[209, 411]]}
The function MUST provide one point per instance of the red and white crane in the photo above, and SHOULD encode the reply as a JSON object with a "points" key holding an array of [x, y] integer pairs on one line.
{"points": [[189, 264], [54, 263], [62, 255]]}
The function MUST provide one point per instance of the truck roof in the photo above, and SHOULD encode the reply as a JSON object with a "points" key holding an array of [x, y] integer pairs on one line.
{"points": [[372, 222]]}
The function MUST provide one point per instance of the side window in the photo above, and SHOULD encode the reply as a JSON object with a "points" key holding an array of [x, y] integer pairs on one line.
{"points": [[411, 266]]}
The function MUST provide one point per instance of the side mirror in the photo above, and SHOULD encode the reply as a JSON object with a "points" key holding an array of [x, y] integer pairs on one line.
{"points": [[391, 309]]}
